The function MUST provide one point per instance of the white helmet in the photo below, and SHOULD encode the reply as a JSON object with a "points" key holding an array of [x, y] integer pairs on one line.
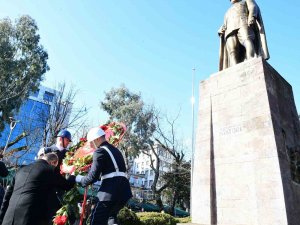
{"points": [[95, 133]]}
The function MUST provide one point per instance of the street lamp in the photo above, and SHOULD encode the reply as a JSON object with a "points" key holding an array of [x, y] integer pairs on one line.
{"points": [[12, 125]]}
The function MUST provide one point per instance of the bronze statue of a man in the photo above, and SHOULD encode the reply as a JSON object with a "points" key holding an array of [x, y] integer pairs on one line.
{"points": [[242, 34]]}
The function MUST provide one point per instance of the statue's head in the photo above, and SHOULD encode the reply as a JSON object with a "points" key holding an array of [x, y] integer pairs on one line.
{"points": [[234, 1]]}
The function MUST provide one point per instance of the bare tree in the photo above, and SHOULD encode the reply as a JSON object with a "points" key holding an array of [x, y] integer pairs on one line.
{"points": [[169, 142], [63, 114], [166, 143], [40, 122], [17, 149], [153, 152], [31, 142], [28, 130], [82, 131]]}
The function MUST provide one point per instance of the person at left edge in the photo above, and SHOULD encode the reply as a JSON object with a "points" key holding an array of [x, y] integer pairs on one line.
{"points": [[3, 173], [60, 147], [25, 202]]}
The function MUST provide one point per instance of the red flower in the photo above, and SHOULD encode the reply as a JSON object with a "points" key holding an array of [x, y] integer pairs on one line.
{"points": [[85, 168], [108, 134], [60, 220], [67, 168], [83, 139], [104, 127]]}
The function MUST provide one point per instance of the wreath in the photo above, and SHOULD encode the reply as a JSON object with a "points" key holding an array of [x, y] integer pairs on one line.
{"points": [[78, 161]]}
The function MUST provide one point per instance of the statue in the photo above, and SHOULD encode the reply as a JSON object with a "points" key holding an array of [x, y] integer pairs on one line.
{"points": [[242, 34]]}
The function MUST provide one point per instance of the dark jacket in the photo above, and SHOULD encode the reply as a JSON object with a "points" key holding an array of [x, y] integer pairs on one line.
{"points": [[26, 201], [111, 189], [3, 173], [55, 199], [3, 170]]}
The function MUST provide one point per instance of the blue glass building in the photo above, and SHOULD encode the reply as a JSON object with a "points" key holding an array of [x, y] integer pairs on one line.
{"points": [[31, 118]]}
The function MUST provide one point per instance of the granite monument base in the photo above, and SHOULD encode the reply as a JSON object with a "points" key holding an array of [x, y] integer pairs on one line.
{"points": [[247, 126]]}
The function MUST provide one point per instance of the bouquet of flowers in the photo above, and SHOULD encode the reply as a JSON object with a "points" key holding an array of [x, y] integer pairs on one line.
{"points": [[114, 132], [78, 160]]}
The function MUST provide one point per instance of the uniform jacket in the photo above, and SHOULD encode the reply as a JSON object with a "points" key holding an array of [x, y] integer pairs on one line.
{"points": [[111, 189], [61, 154], [25, 202], [238, 14]]}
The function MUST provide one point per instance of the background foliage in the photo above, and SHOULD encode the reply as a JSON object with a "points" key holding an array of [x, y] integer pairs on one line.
{"points": [[23, 62]]}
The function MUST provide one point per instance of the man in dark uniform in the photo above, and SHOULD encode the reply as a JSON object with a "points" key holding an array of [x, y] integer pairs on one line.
{"points": [[109, 166], [25, 202], [60, 148]]}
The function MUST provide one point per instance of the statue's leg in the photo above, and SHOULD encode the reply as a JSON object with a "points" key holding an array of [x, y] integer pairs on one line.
{"points": [[250, 52], [246, 37], [231, 45]]}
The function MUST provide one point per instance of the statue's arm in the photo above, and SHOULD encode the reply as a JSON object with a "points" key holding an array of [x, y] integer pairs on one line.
{"points": [[223, 28], [253, 11]]}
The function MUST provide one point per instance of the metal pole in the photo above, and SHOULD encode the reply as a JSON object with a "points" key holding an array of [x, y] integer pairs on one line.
{"points": [[193, 117], [193, 131], [12, 125]]}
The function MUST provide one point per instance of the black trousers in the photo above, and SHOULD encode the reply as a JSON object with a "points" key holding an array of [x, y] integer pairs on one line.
{"points": [[105, 213]]}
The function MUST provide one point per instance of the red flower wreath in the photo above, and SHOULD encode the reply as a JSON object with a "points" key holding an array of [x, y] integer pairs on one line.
{"points": [[60, 220]]}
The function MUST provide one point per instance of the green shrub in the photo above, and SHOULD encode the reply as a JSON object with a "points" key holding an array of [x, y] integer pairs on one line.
{"points": [[183, 220], [128, 217], [154, 218]]}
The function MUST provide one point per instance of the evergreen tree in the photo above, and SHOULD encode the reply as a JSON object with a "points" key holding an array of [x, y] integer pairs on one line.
{"points": [[23, 62]]}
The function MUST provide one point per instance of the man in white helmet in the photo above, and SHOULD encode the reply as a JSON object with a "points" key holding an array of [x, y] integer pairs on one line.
{"points": [[109, 167]]}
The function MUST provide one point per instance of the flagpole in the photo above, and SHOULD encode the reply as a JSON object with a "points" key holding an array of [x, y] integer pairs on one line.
{"points": [[193, 135]]}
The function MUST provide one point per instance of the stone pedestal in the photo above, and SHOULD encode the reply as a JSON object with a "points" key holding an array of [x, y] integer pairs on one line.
{"points": [[247, 123]]}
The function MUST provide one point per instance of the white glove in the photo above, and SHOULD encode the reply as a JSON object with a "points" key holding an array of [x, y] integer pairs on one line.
{"points": [[78, 178], [99, 182]]}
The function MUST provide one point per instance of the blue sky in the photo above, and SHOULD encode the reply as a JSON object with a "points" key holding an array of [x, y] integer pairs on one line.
{"points": [[149, 45]]}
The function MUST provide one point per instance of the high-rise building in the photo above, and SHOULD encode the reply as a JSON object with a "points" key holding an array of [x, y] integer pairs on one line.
{"points": [[31, 118]]}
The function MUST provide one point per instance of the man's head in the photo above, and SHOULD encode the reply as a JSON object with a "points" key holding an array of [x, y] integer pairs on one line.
{"points": [[51, 158], [96, 136], [63, 138]]}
